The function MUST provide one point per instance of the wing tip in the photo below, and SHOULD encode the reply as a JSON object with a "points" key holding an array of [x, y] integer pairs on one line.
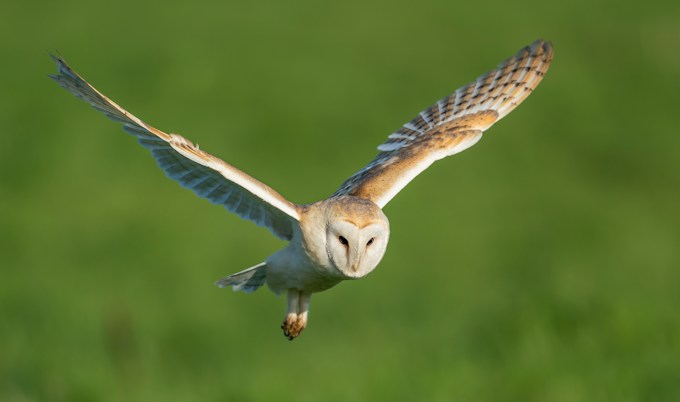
{"points": [[63, 69], [541, 47], [56, 56]]}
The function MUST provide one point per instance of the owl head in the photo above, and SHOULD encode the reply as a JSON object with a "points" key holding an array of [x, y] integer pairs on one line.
{"points": [[356, 235]]}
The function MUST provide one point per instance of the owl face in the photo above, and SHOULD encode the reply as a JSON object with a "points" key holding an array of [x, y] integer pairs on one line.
{"points": [[356, 238], [355, 249]]}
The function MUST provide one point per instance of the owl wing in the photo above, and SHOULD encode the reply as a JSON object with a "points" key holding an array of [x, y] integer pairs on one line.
{"points": [[207, 175], [452, 125]]}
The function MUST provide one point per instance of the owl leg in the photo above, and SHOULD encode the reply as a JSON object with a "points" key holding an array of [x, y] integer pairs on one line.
{"points": [[292, 314], [298, 310], [303, 311]]}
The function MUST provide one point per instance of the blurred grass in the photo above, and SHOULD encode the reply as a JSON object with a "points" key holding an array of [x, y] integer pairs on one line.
{"points": [[541, 265]]}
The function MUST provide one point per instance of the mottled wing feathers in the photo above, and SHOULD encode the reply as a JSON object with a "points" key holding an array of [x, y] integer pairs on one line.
{"points": [[500, 90], [451, 125], [206, 175]]}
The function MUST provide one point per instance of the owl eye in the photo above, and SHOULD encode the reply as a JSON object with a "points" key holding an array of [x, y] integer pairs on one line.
{"points": [[370, 241], [343, 241]]}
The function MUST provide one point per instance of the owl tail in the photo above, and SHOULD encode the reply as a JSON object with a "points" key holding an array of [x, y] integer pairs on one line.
{"points": [[248, 280]]}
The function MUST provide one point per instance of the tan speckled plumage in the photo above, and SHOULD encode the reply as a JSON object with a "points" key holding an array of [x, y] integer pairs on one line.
{"points": [[451, 125], [345, 236]]}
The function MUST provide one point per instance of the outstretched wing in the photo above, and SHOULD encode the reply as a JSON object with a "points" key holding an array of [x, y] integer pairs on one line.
{"points": [[206, 175], [452, 125]]}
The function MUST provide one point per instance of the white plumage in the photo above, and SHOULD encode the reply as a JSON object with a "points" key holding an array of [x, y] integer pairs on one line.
{"points": [[344, 236]]}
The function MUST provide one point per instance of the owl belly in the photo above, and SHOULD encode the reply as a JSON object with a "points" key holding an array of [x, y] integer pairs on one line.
{"points": [[292, 269]]}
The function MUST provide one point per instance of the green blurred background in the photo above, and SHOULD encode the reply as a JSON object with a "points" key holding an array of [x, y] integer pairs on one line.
{"points": [[541, 265]]}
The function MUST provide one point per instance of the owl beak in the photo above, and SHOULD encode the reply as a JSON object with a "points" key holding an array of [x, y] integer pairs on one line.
{"points": [[354, 256], [355, 266]]}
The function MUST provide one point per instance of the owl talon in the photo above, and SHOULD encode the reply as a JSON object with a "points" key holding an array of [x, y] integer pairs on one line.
{"points": [[293, 325]]}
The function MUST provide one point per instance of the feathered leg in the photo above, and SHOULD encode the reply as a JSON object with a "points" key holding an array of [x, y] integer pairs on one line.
{"points": [[298, 311]]}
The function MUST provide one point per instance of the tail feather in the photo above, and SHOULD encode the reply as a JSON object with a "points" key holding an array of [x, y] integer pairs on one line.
{"points": [[248, 280]]}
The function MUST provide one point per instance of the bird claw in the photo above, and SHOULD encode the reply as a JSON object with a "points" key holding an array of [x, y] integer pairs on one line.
{"points": [[292, 326]]}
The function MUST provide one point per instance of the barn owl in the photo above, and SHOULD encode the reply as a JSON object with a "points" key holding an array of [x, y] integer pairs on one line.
{"points": [[344, 236]]}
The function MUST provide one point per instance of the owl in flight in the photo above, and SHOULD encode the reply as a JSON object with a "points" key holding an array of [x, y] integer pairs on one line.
{"points": [[344, 236]]}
